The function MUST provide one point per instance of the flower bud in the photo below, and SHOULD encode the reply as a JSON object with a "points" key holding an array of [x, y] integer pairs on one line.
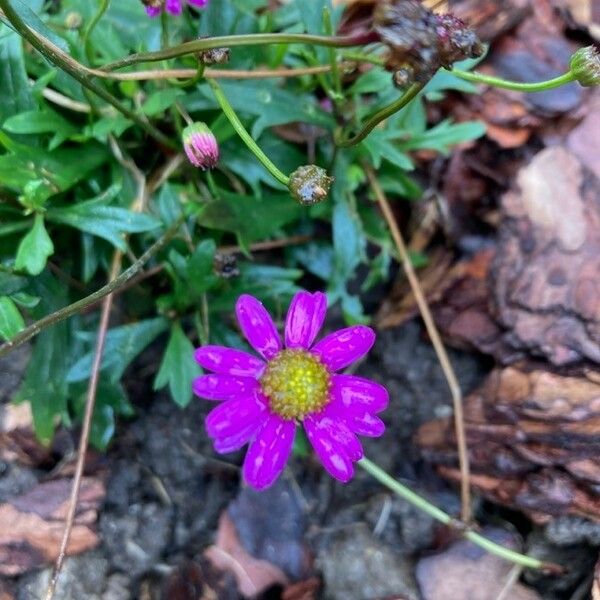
{"points": [[200, 146], [585, 66], [309, 184]]}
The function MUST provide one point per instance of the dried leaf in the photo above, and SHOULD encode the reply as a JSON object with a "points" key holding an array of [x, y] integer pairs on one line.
{"points": [[466, 572], [227, 554], [31, 525]]}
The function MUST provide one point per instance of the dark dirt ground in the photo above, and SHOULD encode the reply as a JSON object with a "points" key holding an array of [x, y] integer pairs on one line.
{"points": [[166, 491]]}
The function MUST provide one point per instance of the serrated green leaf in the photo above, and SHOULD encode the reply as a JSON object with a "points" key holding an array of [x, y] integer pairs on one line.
{"points": [[108, 222], [44, 121], [445, 135], [178, 367], [34, 249], [11, 321], [122, 345]]}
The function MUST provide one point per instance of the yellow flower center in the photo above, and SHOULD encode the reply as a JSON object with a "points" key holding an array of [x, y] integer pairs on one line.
{"points": [[296, 384]]}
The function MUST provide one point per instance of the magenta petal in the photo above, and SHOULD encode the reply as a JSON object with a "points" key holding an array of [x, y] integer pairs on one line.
{"points": [[229, 361], [231, 417], [345, 346], [339, 433], [240, 438], [223, 387], [153, 11], [304, 319], [198, 3], [174, 6], [359, 394], [268, 453], [257, 325], [366, 424], [331, 453]]}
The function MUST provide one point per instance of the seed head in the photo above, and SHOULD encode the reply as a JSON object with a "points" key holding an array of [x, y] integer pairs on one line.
{"points": [[309, 184], [585, 65]]}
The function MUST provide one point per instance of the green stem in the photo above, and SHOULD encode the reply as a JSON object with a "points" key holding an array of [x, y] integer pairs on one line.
{"points": [[335, 70], [113, 286], [230, 41], [92, 24], [540, 86], [57, 57], [381, 115], [246, 137], [433, 511]]}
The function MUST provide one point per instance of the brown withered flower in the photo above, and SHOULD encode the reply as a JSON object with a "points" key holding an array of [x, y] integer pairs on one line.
{"points": [[419, 41]]}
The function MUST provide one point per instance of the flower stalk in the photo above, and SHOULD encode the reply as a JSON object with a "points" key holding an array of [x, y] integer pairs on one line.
{"points": [[381, 115], [230, 113], [438, 514], [517, 86]]}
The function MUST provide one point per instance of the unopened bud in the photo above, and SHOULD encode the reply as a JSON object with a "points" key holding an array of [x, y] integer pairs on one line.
{"points": [[309, 184], [585, 66], [200, 146]]}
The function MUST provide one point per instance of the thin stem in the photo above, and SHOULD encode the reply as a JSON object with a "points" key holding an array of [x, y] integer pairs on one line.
{"points": [[230, 41], [381, 115], [113, 286], [335, 71], [104, 4], [86, 428], [436, 340], [62, 60], [517, 86], [246, 137], [433, 511]]}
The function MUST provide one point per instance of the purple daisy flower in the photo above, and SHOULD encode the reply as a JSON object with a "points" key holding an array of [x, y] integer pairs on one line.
{"points": [[295, 382], [175, 7]]}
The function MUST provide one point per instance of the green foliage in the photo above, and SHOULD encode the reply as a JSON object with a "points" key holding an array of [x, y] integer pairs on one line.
{"points": [[79, 181]]}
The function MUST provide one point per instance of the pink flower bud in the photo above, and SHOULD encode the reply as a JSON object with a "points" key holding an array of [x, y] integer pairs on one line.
{"points": [[200, 146]]}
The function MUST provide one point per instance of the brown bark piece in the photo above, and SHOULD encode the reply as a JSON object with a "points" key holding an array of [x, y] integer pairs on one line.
{"points": [[533, 442], [31, 525]]}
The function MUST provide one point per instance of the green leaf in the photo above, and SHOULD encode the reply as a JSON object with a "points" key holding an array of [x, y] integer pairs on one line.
{"points": [[16, 93], [122, 345], [161, 100], [250, 218], [45, 385], [445, 135], [57, 171], [34, 249], [178, 368], [380, 147], [26, 11], [44, 121], [108, 222], [348, 241], [11, 321], [10, 284]]}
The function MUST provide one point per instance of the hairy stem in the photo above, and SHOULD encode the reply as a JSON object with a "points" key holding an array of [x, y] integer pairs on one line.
{"points": [[246, 137], [62, 60], [381, 115], [437, 513]]}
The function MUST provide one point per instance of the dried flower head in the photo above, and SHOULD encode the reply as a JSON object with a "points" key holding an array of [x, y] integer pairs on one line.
{"points": [[294, 383], [200, 146], [585, 66], [215, 56], [309, 184], [421, 41], [174, 7]]}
